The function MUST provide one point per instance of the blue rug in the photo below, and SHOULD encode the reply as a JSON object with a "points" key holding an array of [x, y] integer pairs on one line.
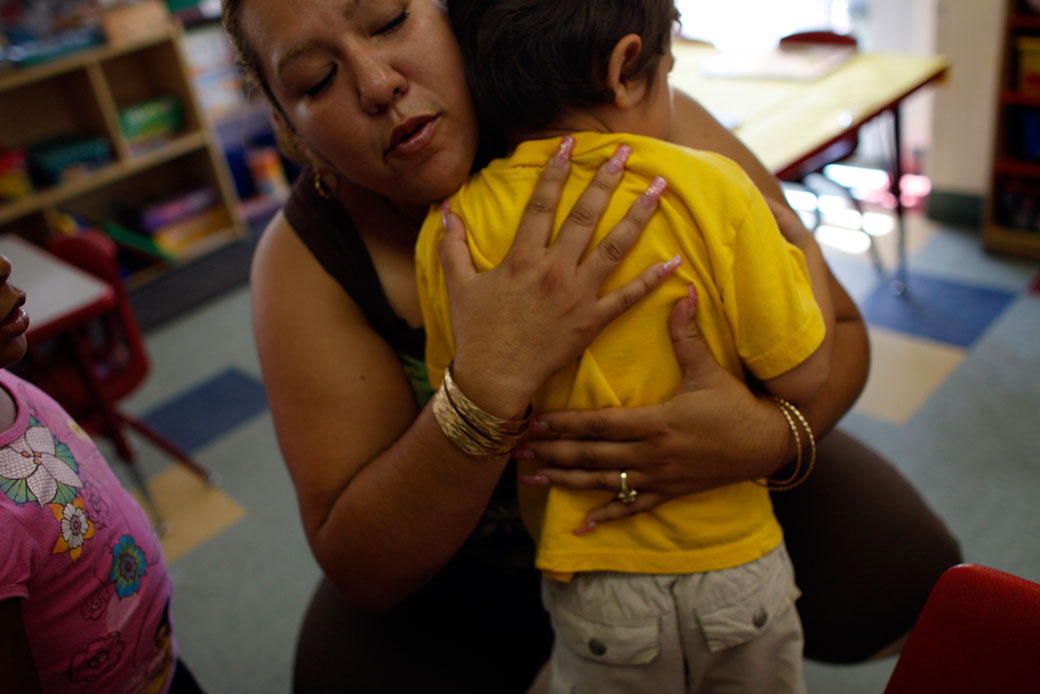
{"points": [[937, 309], [210, 410]]}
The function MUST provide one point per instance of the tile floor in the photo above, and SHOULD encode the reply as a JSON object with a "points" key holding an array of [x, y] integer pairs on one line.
{"points": [[953, 398]]}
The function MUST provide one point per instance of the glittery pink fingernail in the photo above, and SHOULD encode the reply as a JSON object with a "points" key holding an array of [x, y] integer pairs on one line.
{"points": [[653, 193], [533, 480], [563, 154], [587, 528], [670, 266], [617, 162]]}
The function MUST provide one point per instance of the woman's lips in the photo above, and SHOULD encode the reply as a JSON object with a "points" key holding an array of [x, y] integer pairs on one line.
{"points": [[419, 135], [16, 323]]}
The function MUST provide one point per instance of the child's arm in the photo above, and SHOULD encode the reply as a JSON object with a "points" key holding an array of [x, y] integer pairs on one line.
{"points": [[16, 661], [801, 383]]}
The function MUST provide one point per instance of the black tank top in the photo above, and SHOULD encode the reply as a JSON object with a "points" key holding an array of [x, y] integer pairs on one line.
{"points": [[330, 234], [332, 237]]}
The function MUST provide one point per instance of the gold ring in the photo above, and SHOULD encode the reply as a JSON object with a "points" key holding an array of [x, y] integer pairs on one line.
{"points": [[626, 495]]}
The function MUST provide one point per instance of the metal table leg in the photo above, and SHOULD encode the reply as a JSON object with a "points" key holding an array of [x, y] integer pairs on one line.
{"points": [[900, 284]]}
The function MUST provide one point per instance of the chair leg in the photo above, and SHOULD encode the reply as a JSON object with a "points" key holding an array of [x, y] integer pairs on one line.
{"points": [[875, 254], [161, 526], [211, 478], [900, 284], [112, 426]]}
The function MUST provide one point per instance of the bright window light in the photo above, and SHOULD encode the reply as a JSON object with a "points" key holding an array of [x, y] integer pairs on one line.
{"points": [[735, 25], [878, 224], [915, 185], [847, 218], [856, 176], [843, 239], [833, 205], [803, 200]]}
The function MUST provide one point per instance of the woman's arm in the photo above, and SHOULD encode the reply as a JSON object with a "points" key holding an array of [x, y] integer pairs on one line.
{"points": [[714, 431], [694, 127], [801, 384], [368, 474], [386, 499]]}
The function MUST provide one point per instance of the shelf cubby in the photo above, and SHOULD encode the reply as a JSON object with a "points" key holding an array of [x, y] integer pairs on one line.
{"points": [[82, 95]]}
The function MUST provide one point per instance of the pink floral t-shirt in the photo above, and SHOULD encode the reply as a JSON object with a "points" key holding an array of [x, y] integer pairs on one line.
{"points": [[82, 554]]}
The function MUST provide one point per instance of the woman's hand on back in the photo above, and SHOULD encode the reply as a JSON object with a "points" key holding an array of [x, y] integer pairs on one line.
{"points": [[713, 432], [524, 320]]}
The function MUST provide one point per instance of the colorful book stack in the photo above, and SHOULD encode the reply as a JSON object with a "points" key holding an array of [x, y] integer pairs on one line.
{"points": [[175, 223]]}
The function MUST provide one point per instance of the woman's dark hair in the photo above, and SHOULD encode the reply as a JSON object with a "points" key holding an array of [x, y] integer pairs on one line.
{"points": [[249, 67], [528, 61], [246, 59]]}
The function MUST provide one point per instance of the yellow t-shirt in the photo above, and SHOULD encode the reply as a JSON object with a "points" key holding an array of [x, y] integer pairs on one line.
{"points": [[755, 309]]}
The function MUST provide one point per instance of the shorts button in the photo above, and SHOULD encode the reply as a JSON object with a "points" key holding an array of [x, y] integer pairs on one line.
{"points": [[760, 618], [597, 647]]}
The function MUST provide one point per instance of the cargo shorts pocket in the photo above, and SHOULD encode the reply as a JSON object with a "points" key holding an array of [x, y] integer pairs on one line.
{"points": [[758, 600], [633, 643]]}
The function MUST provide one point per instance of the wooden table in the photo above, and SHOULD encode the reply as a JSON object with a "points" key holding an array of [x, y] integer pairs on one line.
{"points": [[787, 122], [58, 296]]}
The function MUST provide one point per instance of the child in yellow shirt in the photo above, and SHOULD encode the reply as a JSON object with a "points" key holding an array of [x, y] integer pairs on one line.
{"points": [[698, 591]]}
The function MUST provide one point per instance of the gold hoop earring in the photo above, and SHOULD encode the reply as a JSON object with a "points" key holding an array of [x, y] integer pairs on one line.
{"points": [[323, 189]]}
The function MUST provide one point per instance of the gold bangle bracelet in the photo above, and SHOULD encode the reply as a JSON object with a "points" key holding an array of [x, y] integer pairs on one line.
{"points": [[485, 422], [473, 430], [772, 483], [787, 409], [809, 437]]}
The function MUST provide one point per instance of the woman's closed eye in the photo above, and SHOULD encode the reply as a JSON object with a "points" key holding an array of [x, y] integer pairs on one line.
{"points": [[318, 86], [392, 25]]}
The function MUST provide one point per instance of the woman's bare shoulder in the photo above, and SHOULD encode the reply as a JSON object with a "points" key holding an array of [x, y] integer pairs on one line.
{"points": [[279, 250], [288, 280], [693, 126], [323, 365]]}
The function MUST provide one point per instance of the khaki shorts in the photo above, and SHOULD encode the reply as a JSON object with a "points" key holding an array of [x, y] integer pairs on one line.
{"points": [[734, 630]]}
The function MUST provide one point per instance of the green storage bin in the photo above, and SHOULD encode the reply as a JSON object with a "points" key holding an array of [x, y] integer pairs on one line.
{"points": [[153, 118], [65, 157]]}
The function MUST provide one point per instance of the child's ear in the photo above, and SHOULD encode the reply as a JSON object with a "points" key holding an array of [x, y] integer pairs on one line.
{"points": [[627, 92]]}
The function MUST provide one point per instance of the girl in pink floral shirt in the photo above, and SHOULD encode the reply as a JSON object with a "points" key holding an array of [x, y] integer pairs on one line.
{"points": [[84, 593]]}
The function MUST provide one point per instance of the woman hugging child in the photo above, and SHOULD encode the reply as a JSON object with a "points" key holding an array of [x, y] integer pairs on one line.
{"points": [[698, 591]]}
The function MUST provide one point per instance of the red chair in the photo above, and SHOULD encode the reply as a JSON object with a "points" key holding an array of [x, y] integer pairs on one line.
{"points": [[979, 631], [817, 38], [90, 368]]}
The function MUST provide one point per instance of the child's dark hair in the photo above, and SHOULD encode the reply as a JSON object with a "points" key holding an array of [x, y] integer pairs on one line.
{"points": [[527, 61]]}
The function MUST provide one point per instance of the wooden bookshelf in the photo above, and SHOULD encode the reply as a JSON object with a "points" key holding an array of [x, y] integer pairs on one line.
{"points": [[82, 95], [1013, 207], [1016, 98]]}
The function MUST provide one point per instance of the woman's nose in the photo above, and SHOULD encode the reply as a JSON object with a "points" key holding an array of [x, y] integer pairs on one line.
{"points": [[379, 84]]}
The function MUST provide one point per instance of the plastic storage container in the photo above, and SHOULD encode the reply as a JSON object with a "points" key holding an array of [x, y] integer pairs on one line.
{"points": [[67, 157], [155, 118]]}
